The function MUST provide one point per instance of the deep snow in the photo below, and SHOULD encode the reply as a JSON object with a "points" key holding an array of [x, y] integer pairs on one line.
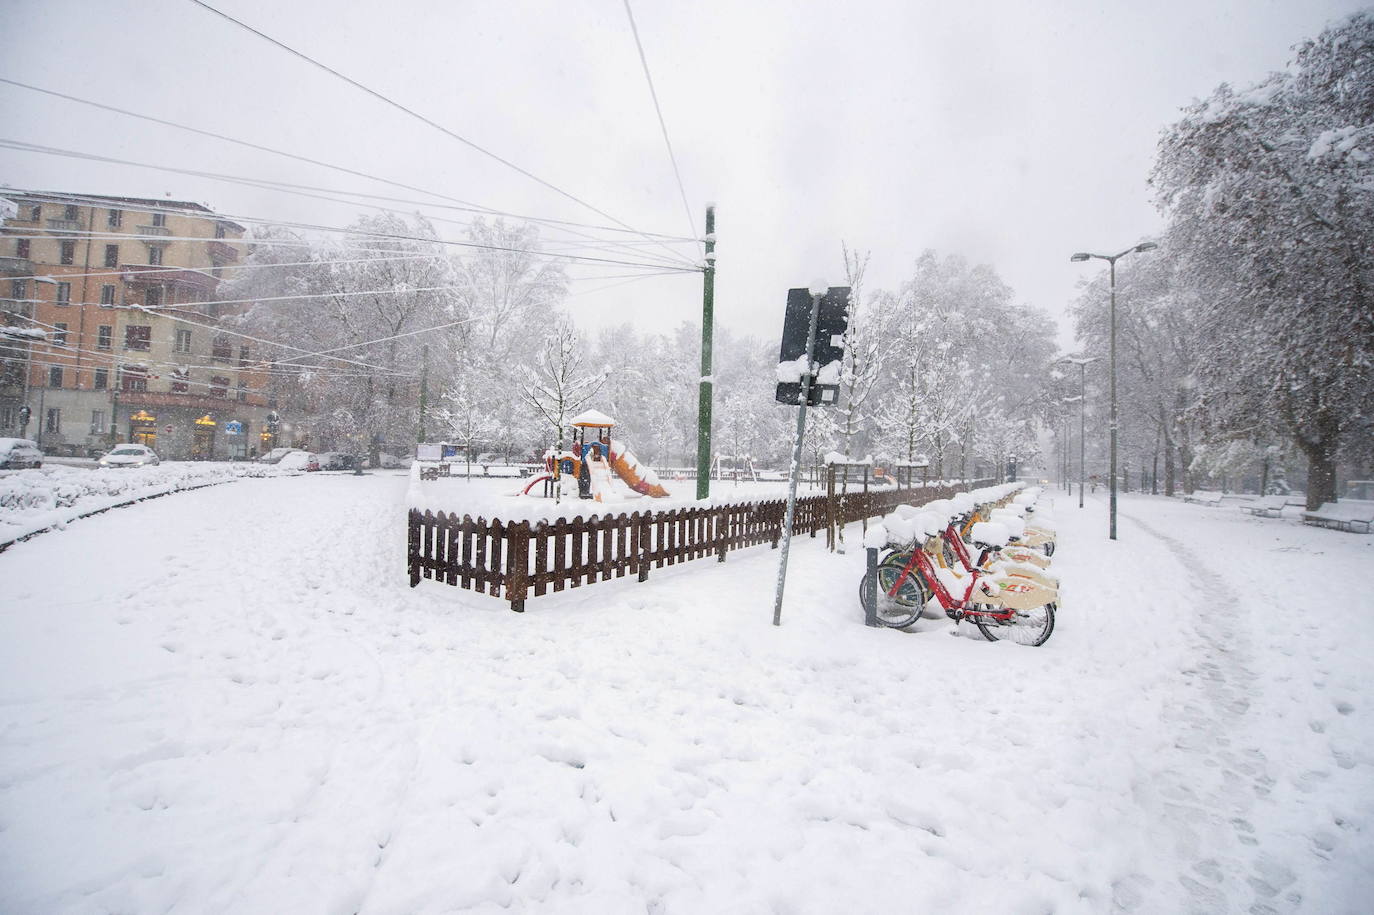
{"points": [[228, 700]]}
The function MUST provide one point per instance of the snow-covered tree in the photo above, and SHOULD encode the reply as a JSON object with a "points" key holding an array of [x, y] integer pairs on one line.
{"points": [[557, 387], [1269, 192]]}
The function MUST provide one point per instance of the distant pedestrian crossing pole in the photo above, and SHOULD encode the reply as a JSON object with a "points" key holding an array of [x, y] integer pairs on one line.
{"points": [[817, 308]]}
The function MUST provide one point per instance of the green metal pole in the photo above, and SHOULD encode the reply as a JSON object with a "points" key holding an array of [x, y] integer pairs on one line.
{"points": [[708, 304]]}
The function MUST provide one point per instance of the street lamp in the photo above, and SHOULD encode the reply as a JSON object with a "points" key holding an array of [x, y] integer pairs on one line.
{"points": [[1082, 362], [1111, 259]]}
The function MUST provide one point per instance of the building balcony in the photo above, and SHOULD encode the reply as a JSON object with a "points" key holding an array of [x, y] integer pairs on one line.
{"points": [[222, 251], [205, 402], [64, 225], [21, 266], [150, 230], [163, 275]]}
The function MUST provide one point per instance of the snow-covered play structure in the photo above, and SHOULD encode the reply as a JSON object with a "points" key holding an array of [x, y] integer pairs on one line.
{"points": [[592, 460]]}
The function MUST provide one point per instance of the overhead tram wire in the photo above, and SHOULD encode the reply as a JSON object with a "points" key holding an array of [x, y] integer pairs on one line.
{"points": [[564, 226], [592, 243], [253, 220], [454, 202], [663, 125], [272, 185], [153, 269], [234, 333], [280, 187], [398, 106]]}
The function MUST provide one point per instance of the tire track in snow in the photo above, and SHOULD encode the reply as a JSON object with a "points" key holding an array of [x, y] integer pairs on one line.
{"points": [[1211, 788]]}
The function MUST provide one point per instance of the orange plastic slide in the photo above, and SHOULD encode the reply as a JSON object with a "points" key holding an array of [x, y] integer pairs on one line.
{"points": [[629, 470]]}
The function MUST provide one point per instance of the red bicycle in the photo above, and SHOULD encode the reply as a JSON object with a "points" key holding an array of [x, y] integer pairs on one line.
{"points": [[1001, 607]]}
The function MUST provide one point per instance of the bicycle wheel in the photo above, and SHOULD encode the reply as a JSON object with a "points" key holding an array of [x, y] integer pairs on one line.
{"points": [[897, 612], [1029, 627], [914, 591]]}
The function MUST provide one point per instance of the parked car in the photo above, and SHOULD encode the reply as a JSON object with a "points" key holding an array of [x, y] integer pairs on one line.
{"points": [[298, 460], [130, 456], [338, 460], [275, 455], [19, 452]]}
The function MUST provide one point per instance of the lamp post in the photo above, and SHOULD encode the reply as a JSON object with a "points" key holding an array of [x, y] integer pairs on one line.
{"points": [[1111, 259], [1082, 362]]}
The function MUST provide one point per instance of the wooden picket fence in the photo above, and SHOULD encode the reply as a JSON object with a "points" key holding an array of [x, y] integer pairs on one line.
{"points": [[517, 560]]}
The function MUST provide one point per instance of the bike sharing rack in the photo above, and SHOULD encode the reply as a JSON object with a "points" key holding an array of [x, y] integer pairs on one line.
{"points": [[1020, 596]]}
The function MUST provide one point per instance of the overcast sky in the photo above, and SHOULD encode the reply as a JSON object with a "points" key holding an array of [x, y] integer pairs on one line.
{"points": [[1011, 133]]}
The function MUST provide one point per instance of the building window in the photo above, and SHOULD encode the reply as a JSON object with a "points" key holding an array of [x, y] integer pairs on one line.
{"points": [[69, 212], [7, 417], [64, 293], [104, 335], [155, 255], [152, 296], [219, 230], [138, 336], [102, 379], [221, 350], [183, 344], [97, 422], [244, 355], [159, 219], [54, 376], [59, 334], [107, 294], [54, 424], [68, 253], [21, 248], [116, 219], [135, 380], [112, 255], [242, 393], [35, 214], [19, 289], [219, 387]]}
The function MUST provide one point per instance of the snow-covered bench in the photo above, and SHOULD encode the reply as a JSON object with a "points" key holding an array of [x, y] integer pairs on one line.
{"points": [[1204, 497], [1354, 515], [1272, 506], [1266, 506]]}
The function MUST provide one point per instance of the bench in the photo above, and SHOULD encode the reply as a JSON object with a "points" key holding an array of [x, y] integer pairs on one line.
{"points": [[1353, 516], [1266, 507], [1203, 497]]}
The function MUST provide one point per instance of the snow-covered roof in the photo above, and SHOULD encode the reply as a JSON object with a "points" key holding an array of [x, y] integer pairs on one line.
{"points": [[592, 418]]}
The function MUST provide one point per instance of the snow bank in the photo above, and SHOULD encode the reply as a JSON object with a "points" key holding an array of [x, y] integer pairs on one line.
{"points": [[32, 500]]}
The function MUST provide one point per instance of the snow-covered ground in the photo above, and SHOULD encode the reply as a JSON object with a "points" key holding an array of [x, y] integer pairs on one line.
{"points": [[38, 498], [228, 700]]}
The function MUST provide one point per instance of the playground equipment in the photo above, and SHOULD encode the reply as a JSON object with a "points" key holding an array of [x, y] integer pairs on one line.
{"points": [[593, 457]]}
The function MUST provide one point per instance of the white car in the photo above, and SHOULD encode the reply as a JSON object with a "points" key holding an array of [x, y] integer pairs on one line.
{"points": [[19, 452], [276, 454], [130, 456]]}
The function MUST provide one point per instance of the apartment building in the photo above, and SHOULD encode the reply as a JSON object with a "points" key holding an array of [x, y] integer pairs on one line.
{"points": [[124, 292]]}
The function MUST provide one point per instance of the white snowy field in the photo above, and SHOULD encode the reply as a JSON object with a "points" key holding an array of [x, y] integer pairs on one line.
{"points": [[228, 700]]}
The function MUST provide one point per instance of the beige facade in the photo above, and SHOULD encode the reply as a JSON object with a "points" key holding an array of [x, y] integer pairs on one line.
{"points": [[125, 291]]}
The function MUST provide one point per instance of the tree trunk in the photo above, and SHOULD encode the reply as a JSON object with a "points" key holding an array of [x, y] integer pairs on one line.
{"points": [[1170, 479], [1321, 473]]}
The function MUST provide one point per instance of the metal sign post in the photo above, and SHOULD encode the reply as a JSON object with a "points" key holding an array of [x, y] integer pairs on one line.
{"points": [[818, 291]]}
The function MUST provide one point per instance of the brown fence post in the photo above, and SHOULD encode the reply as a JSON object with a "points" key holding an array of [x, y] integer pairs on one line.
{"points": [[643, 537], [413, 547], [517, 564]]}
